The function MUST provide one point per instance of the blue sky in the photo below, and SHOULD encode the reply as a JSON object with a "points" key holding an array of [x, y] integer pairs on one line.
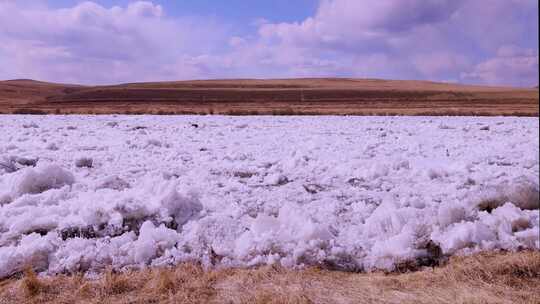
{"points": [[241, 17], [238, 12], [492, 42]]}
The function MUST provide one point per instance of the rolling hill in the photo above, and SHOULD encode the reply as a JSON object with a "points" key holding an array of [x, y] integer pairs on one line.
{"points": [[340, 96]]}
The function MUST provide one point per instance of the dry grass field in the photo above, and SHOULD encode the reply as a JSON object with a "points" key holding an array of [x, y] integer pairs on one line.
{"points": [[271, 97], [481, 278]]}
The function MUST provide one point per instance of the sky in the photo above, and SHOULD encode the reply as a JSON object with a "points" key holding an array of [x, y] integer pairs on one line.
{"points": [[489, 42]]}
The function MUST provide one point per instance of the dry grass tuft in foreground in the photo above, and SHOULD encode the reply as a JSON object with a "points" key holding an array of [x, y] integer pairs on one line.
{"points": [[32, 286], [482, 278]]}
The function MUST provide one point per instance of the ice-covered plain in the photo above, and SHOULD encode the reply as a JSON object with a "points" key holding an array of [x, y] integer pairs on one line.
{"points": [[86, 193]]}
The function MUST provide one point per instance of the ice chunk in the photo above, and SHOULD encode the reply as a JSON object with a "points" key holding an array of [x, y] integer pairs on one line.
{"points": [[153, 240], [153, 142], [450, 213], [529, 238], [509, 213], [8, 165], [521, 192], [52, 146], [33, 250], [181, 208], [276, 179], [464, 235], [41, 179], [386, 253], [113, 182], [84, 162], [292, 233]]}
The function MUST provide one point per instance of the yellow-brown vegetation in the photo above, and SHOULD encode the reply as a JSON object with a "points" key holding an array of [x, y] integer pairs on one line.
{"points": [[317, 96], [482, 278]]}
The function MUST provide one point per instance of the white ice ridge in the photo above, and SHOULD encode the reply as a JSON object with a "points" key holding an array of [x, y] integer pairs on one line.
{"points": [[86, 193]]}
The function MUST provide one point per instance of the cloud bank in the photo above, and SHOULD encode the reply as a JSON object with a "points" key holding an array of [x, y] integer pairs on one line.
{"points": [[491, 42]]}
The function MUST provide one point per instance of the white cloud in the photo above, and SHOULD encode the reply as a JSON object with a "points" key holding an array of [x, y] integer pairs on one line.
{"points": [[436, 63], [426, 39], [399, 39], [512, 66], [92, 44]]}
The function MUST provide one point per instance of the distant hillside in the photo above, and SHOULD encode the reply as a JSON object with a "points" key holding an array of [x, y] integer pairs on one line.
{"points": [[275, 96]]}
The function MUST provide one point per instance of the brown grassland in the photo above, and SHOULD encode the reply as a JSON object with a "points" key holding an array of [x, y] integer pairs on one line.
{"points": [[481, 278], [310, 96]]}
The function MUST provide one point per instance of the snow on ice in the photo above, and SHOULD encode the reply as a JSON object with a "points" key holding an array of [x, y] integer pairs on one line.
{"points": [[352, 193]]}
